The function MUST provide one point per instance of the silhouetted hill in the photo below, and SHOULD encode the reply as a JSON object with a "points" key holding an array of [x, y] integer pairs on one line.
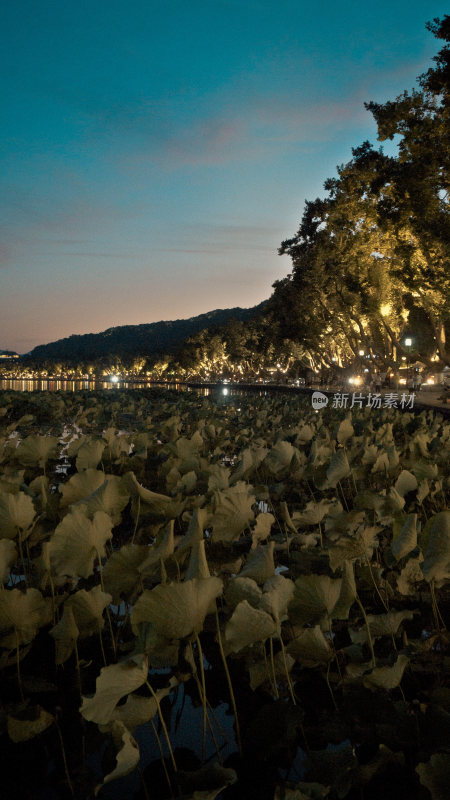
{"points": [[151, 339]]}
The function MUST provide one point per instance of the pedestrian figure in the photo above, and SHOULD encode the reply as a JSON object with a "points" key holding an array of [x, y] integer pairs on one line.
{"points": [[377, 382]]}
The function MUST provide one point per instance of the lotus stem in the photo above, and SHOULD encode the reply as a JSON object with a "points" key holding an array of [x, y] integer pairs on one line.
{"points": [[163, 724], [230, 685], [436, 612], [163, 760], [19, 678], [203, 694], [327, 678], [137, 518], [63, 753], [369, 635], [385, 605], [272, 663], [291, 687]]}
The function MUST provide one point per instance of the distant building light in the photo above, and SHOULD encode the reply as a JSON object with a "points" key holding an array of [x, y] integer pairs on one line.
{"points": [[408, 342]]}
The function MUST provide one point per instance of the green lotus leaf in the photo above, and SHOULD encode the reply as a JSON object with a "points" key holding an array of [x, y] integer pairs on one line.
{"points": [[435, 775], [21, 616], [65, 634], [260, 672], [277, 594], [8, 556], [218, 478], [260, 564], [262, 528], [383, 624], [280, 457], [113, 683], [177, 610], [249, 461], [311, 648], [88, 608], [150, 504], [198, 563], [410, 575], [35, 450], [381, 464], [347, 595], [339, 468], [194, 533], [423, 469], [315, 597], [89, 454], [345, 431], [31, 723], [127, 757], [423, 491], [137, 710], [80, 486], [17, 513], [406, 539], [386, 677], [233, 512], [303, 791], [186, 448], [406, 482], [160, 551], [312, 514], [111, 497], [247, 626], [358, 546], [121, 571], [240, 589], [436, 563], [77, 542]]}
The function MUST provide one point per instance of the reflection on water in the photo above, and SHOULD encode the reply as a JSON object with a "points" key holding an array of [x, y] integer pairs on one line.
{"points": [[52, 385]]}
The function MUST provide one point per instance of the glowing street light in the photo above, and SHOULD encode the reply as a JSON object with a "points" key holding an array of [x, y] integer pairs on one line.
{"points": [[361, 352]]}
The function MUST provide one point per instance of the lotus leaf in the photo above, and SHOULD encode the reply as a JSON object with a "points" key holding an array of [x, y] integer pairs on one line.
{"points": [[347, 595], [240, 589], [260, 564], [435, 775], [121, 571], [21, 616], [345, 431], [35, 450], [423, 469], [207, 778], [312, 514], [78, 542], [218, 478], [34, 721], [262, 528], [410, 575], [260, 672], [349, 548], [406, 539], [314, 599], [279, 458], [247, 626], [150, 504], [383, 624], [277, 594], [159, 552], [386, 677], [137, 710], [339, 468], [311, 648], [303, 791], [17, 513], [8, 555], [88, 608], [194, 533], [436, 563], [113, 683], [127, 757], [406, 482], [177, 610], [80, 486], [89, 454], [198, 564], [111, 497], [65, 634], [233, 512]]}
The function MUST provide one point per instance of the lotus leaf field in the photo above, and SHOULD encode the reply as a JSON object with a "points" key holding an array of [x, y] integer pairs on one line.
{"points": [[281, 574]]}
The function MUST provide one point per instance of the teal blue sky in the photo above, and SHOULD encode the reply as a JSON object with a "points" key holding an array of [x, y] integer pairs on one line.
{"points": [[155, 154]]}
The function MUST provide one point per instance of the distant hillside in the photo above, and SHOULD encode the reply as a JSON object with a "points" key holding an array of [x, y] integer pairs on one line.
{"points": [[152, 339]]}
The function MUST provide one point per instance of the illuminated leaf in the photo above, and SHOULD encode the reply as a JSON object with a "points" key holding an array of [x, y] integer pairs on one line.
{"points": [[247, 626], [177, 609], [113, 683], [17, 513], [78, 542]]}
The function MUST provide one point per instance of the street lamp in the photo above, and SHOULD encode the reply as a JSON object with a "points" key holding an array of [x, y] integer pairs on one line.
{"points": [[408, 343]]}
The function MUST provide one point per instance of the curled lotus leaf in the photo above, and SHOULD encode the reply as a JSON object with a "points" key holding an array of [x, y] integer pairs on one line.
{"points": [[406, 539], [260, 671], [435, 775], [260, 564], [81, 485], [159, 551], [127, 757], [21, 616], [386, 677], [262, 528], [88, 608], [382, 625], [198, 563], [177, 610], [279, 458], [345, 431], [240, 589], [65, 634], [35, 450], [315, 597], [111, 497], [31, 723], [410, 575], [8, 556], [311, 648], [121, 571], [194, 533], [423, 469], [150, 504], [233, 512], [312, 514], [406, 482], [249, 460], [218, 478], [338, 468], [113, 683], [77, 542], [358, 546], [137, 710], [247, 626], [17, 513], [347, 595], [436, 563], [89, 454], [277, 594]]}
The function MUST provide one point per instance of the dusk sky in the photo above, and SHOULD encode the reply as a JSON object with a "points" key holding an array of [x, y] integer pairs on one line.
{"points": [[155, 154]]}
